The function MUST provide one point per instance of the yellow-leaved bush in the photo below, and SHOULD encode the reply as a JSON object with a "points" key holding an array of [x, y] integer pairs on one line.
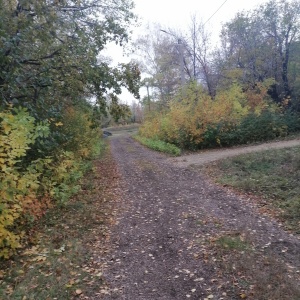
{"points": [[18, 187], [29, 187], [195, 115]]}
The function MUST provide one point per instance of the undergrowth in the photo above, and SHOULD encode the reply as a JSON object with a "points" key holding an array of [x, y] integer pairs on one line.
{"points": [[159, 145], [233, 117], [35, 173], [62, 260]]}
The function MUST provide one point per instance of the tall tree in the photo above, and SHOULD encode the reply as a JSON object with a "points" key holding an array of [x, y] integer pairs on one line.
{"points": [[258, 44], [198, 48], [294, 74], [49, 52], [281, 22], [159, 57]]}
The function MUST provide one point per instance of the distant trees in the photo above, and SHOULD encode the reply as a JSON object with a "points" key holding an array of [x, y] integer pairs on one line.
{"points": [[136, 112], [199, 51], [257, 45], [158, 56]]}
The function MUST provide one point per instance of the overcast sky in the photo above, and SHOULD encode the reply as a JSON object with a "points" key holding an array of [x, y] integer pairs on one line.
{"points": [[172, 13], [177, 15]]}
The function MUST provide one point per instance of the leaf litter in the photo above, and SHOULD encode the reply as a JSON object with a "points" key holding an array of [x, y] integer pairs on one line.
{"points": [[66, 262], [155, 231], [196, 240]]}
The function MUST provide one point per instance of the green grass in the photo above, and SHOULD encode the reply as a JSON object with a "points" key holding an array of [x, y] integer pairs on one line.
{"points": [[274, 175], [159, 145], [232, 242]]}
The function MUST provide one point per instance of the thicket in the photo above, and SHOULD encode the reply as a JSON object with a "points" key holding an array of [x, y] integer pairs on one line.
{"points": [[195, 120], [54, 87], [30, 183]]}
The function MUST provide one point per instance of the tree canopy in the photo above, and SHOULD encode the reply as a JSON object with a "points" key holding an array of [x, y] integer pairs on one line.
{"points": [[50, 52], [54, 86], [255, 46]]}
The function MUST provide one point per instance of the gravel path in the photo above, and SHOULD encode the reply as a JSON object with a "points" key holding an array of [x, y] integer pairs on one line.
{"points": [[168, 212]]}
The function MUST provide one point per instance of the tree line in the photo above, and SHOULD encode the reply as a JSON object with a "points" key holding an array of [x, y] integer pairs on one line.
{"points": [[245, 89], [55, 84], [255, 46]]}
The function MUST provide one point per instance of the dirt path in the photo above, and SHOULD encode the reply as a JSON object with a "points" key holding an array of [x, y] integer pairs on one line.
{"points": [[170, 218], [207, 156]]}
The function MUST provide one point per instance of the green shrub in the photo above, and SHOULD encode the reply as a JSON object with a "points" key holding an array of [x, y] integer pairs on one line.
{"points": [[81, 136], [159, 145], [292, 121], [256, 128]]}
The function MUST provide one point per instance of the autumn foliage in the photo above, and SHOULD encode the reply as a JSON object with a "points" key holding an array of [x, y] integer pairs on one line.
{"points": [[194, 120], [54, 86], [30, 185]]}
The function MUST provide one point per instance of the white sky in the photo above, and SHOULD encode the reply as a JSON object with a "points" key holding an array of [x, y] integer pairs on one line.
{"points": [[172, 13], [177, 14]]}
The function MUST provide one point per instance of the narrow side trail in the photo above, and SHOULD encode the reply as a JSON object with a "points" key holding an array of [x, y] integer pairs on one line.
{"points": [[206, 156], [169, 217]]}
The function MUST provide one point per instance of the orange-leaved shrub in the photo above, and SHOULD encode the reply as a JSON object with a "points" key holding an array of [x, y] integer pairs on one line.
{"points": [[190, 117], [235, 116]]}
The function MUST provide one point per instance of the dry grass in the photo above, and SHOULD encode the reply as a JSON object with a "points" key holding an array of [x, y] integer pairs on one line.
{"points": [[251, 273], [272, 175]]}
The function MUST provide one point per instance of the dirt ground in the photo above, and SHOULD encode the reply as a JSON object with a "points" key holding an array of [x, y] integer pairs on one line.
{"points": [[169, 218], [207, 156]]}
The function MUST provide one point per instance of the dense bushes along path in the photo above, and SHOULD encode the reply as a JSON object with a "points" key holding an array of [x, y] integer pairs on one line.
{"points": [[178, 236]]}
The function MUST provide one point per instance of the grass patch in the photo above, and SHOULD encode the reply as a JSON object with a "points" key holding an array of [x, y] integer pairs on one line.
{"points": [[62, 259], [158, 145], [250, 273], [129, 127], [274, 175], [233, 242]]}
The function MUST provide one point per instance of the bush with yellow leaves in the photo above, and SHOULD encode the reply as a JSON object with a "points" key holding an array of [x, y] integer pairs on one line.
{"points": [[29, 186], [235, 116], [18, 187], [194, 113]]}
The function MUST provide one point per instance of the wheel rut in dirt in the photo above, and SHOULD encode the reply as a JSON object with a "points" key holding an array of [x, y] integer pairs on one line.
{"points": [[168, 215]]}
